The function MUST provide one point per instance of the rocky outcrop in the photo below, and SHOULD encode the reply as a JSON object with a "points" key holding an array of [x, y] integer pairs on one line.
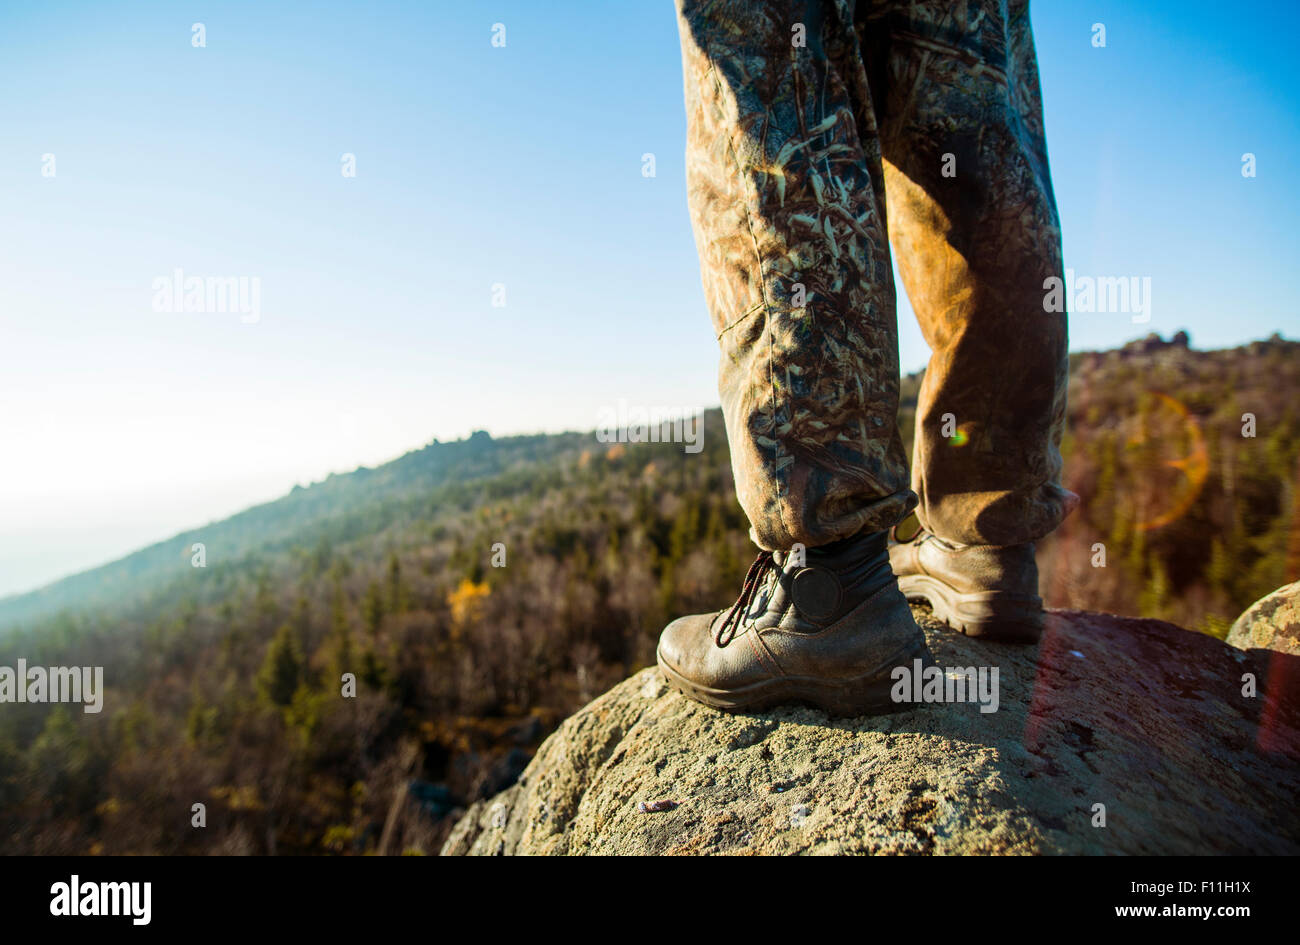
{"points": [[1139, 722], [1271, 623]]}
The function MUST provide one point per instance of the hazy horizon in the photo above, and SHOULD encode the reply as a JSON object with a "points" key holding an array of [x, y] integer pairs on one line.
{"points": [[282, 492]]}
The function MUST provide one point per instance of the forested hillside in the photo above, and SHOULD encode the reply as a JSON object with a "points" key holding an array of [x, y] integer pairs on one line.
{"points": [[223, 682]]}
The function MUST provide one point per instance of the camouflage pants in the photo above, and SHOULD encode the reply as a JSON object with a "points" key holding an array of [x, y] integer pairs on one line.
{"points": [[806, 120]]}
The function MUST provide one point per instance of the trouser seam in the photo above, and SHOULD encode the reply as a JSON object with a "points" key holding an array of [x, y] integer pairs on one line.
{"points": [[764, 301]]}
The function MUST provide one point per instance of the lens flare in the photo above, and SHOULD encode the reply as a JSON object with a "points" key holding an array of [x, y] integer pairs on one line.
{"points": [[1194, 466]]}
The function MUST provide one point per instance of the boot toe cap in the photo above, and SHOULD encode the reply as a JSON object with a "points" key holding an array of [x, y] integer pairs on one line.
{"points": [[682, 641]]}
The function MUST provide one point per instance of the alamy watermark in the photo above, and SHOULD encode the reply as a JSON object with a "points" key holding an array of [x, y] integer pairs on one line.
{"points": [[240, 295], [638, 424], [1118, 294], [78, 898], [84, 684], [919, 683]]}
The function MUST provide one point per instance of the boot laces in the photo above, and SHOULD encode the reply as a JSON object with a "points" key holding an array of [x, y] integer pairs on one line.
{"points": [[753, 581]]}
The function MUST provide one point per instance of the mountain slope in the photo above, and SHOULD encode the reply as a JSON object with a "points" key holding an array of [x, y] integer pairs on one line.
{"points": [[341, 507], [480, 592]]}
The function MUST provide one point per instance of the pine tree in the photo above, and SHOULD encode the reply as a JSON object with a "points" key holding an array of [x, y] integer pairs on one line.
{"points": [[282, 670], [1155, 595], [373, 608], [398, 595], [341, 631]]}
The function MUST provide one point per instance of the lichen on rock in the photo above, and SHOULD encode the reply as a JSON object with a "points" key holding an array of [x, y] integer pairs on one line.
{"points": [[1271, 623]]}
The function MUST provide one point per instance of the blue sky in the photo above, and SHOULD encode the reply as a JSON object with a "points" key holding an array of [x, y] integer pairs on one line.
{"points": [[478, 165]]}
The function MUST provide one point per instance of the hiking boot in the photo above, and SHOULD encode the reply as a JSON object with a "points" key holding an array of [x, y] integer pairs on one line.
{"points": [[827, 631], [982, 590]]}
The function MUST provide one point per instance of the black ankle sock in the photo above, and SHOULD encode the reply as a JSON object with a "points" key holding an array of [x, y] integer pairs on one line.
{"points": [[861, 563]]}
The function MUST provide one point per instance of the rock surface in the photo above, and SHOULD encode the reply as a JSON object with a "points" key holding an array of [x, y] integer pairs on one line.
{"points": [[1141, 716], [1271, 623]]}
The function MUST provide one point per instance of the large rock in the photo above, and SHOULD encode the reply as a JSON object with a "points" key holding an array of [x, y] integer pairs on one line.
{"points": [[1271, 623], [1141, 716]]}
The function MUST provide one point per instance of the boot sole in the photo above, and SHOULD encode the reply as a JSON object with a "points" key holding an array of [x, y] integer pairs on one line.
{"points": [[994, 615], [868, 694]]}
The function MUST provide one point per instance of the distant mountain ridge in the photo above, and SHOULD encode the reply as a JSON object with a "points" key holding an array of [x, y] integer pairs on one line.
{"points": [[343, 504], [362, 502]]}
